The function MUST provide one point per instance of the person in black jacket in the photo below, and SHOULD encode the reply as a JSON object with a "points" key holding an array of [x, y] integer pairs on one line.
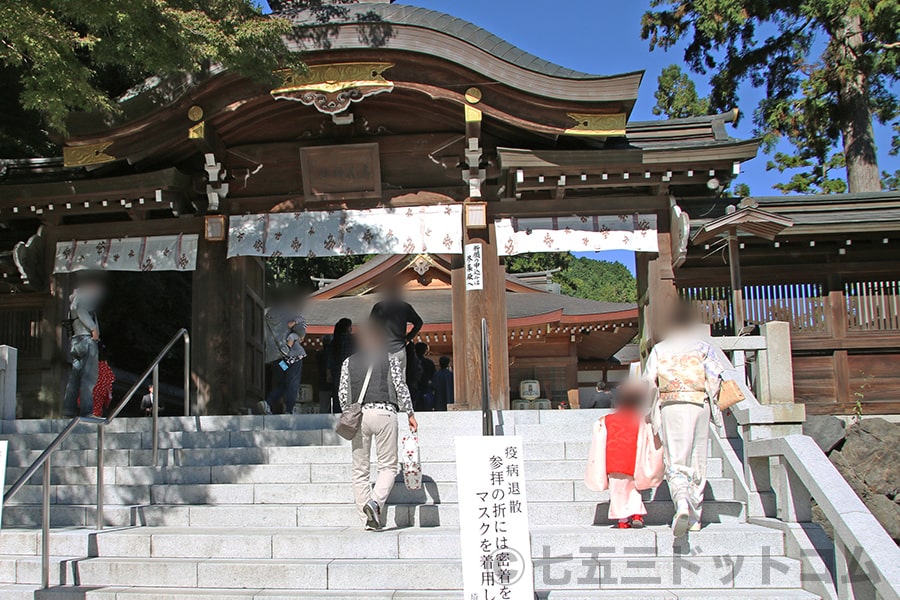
{"points": [[395, 315], [442, 383], [374, 378]]}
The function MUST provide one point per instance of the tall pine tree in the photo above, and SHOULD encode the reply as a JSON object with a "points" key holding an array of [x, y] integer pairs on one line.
{"points": [[828, 67]]}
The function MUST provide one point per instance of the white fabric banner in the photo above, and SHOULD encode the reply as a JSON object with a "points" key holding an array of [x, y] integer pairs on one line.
{"points": [[418, 229], [633, 232], [154, 253]]}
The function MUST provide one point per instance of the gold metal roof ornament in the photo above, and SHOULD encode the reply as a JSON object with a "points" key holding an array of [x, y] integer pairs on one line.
{"points": [[90, 154], [331, 88], [597, 125]]}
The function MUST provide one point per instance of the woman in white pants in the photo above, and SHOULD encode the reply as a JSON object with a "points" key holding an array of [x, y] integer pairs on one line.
{"points": [[686, 376], [375, 379]]}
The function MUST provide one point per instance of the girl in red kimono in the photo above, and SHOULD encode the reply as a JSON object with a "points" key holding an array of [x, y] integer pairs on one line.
{"points": [[625, 457]]}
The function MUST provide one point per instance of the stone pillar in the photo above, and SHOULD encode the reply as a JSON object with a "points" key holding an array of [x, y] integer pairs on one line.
{"points": [[9, 365], [469, 308], [775, 363]]}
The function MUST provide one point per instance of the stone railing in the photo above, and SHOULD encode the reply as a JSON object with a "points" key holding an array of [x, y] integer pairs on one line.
{"points": [[778, 471], [866, 561]]}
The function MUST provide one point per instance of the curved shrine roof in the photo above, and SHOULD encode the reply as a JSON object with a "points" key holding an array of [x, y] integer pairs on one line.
{"points": [[398, 14]]}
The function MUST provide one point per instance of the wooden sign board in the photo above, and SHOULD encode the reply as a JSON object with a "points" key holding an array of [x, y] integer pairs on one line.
{"points": [[346, 172]]}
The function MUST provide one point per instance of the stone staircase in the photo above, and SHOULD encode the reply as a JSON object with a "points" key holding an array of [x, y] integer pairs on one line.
{"points": [[261, 507]]}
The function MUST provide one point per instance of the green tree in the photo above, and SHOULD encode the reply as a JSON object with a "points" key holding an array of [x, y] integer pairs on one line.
{"points": [[891, 181], [676, 95], [828, 67], [741, 190], [58, 56], [580, 277], [599, 280], [538, 262], [297, 273]]}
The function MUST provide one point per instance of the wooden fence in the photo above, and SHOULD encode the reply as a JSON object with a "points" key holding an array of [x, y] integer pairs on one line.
{"points": [[21, 328], [873, 305], [803, 305]]}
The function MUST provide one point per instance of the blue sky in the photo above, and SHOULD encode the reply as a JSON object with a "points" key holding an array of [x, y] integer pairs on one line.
{"points": [[604, 37]]}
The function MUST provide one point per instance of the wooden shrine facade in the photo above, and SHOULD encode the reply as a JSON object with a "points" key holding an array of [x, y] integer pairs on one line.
{"points": [[400, 108], [833, 275]]}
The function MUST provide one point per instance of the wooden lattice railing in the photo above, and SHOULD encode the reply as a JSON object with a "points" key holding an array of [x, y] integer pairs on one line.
{"points": [[870, 306], [873, 305]]}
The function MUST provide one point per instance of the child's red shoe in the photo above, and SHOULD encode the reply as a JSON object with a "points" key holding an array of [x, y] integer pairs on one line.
{"points": [[624, 524], [637, 522]]}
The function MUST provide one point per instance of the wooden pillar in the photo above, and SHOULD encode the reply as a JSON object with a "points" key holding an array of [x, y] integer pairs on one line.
{"points": [[55, 351], [662, 294], [211, 336], [469, 307], [572, 376], [737, 288]]}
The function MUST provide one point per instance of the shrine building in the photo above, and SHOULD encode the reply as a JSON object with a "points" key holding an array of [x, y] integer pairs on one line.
{"points": [[412, 135]]}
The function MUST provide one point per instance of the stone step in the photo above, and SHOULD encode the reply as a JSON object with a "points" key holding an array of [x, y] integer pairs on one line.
{"points": [[211, 439], [698, 572], [723, 540], [27, 592], [261, 451], [682, 594], [251, 450], [463, 420], [317, 514], [324, 472], [614, 572], [469, 420], [432, 492]]}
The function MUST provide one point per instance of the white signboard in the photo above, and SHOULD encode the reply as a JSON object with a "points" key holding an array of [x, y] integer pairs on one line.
{"points": [[474, 267], [3, 447], [493, 517]]}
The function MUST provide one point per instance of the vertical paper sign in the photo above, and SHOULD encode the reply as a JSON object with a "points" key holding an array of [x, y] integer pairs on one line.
{"points": [[474, 267], [493, 517], [3, 447]]}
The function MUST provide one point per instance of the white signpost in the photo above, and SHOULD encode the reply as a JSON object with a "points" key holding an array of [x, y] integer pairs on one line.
{"points": [[493, 516], [3, 447], [474, 267]]}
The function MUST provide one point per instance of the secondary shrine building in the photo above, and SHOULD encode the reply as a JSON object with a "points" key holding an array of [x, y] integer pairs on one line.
{"points": [[412, 135]]}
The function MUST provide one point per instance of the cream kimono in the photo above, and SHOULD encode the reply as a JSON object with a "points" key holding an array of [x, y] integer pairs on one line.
{"points": [[685, 375]]}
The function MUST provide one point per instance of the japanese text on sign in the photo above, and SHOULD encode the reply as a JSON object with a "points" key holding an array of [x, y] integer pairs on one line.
{"points": [[474, 267], [496, 545]]}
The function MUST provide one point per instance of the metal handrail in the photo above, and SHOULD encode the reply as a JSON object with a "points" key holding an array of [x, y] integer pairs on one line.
{"points": [[487, 416], [44, 459]]}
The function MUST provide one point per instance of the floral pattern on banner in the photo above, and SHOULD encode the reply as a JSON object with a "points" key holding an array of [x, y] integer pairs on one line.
{"points": [[155, 253], [635, 232], [418, 229]]}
